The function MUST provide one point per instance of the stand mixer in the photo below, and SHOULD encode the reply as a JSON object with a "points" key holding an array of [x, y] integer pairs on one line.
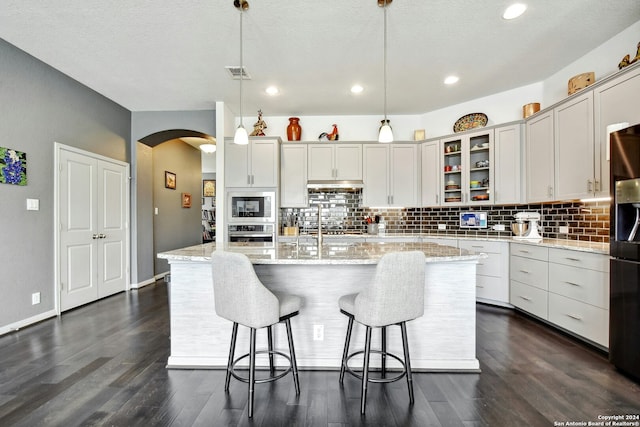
{"points": [[531, 232]]}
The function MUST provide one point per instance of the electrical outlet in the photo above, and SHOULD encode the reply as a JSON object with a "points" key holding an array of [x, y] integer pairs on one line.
{"points": [[442, 226], [35, 298], [564, 229], [318, 332], [498, 227]]}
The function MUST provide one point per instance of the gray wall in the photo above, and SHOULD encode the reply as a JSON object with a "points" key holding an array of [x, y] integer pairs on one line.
{"points": [[40, 106], [143, 124], [176, 227]]}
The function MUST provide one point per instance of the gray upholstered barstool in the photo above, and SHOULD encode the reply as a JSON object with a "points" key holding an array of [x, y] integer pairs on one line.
{"points": [[395, 296], [242, 298]]}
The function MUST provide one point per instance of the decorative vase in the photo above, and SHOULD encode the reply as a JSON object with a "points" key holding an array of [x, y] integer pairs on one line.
{"points": [[294, 131]]}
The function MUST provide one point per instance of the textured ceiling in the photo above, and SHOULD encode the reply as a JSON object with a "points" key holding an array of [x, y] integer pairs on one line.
{"points": [[171, 55]]}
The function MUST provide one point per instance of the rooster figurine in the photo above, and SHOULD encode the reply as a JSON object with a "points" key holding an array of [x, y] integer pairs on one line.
{"points": [[332, 136]]}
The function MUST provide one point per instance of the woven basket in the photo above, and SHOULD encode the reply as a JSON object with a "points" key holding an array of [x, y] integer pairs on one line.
{"points": [[581, 81]]}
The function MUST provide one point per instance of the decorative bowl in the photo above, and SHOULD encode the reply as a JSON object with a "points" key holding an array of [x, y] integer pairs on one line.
{"points": [[470, 121]]}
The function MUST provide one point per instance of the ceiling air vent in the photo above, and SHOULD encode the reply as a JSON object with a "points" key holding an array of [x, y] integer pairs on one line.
{"points": [[235, 71]]}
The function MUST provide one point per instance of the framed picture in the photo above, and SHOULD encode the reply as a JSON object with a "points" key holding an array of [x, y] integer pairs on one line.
{"points": [[186, 200], [209, 187], [13, 166], [169, 180]]}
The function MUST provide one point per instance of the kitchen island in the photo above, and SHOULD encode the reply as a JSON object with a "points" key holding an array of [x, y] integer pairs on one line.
{"points": [[442, 340]]}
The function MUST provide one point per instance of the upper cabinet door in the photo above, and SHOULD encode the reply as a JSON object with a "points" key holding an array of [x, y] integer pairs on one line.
{"points": [[403, 179], [320, 162], [375, 175], [293, 176], [430, 173], [540, 158], [264, 163], [508, 167], [236, 165], [574, 151], [348, 161]]}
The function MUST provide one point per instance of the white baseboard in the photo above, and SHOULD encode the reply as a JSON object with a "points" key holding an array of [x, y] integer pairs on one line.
{"points": [[148, 281], [16, 326]]}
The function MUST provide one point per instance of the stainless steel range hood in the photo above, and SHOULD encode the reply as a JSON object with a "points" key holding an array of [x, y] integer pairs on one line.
{"points": [[331, 184]]}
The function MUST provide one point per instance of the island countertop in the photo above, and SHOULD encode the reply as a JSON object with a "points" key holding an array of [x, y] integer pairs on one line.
{"points": [[306, 253]]}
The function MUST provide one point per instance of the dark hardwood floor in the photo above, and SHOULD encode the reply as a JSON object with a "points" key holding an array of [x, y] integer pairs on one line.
{"points": [[104, 364]]}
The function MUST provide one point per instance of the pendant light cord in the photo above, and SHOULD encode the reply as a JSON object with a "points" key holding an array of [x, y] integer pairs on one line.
{"points": [[384, 60], [241, 69]]}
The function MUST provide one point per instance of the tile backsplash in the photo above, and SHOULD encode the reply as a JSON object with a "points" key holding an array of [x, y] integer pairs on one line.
{"points": [[342, 211]]}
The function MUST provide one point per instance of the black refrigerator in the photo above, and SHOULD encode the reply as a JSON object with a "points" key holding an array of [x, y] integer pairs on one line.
{"points": [[624, 278]]}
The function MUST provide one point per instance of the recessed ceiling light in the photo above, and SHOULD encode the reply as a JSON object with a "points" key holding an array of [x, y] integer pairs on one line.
{"points": [[451, 80], [272, 90], [514, 11], [356, 89]]}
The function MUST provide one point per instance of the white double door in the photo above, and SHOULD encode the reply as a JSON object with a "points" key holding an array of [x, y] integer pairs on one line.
{"points": [[93, 226]]}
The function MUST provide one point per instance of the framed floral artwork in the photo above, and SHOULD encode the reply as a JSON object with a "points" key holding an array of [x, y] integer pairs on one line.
{"points": [[13, 166], [209, 187], [186, 200], [169, 180]]}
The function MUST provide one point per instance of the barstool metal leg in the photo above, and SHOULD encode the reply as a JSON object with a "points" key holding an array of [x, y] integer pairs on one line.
{"points": [[365, 370], [232, 350], [270, 347], [383, 355], [252, 369], [407, 360], [345, 353], [292, 354]]}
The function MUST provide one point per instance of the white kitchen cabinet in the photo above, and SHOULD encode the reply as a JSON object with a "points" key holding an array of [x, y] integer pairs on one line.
{"points": [[579, 293], [508, 164], [430, 173], [256, 164], [615, 101], [334, 161], [467, 168], [529, 279], [293, 176], [574, 149], [539, 158], [390, 174], [492, 273]]}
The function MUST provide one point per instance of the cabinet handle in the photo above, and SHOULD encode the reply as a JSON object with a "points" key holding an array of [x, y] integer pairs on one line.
{"points": [[253, 179], [525, 298], [248, 179], [477, 246], [479, 286], [550, 191], [589, 185], [574, 316], [573, 259], [524, 271], [597, 185], [102, 236], [572, 284], [437, 199], [524, 251], [95, 236]]}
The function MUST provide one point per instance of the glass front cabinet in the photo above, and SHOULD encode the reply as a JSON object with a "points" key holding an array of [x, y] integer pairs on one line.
{"points": [[467, 162]]}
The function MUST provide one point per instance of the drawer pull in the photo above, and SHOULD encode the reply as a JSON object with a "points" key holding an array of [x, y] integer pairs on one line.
{"points": [[574, 316], [523, 251], [480, 263], [477, 246], [573, 259], [524, 271], [479, 286], [525, 298], [572, 284]]}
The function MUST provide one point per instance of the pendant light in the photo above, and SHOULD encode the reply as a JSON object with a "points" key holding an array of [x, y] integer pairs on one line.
{"points": [[241, 137], [385, 133]]}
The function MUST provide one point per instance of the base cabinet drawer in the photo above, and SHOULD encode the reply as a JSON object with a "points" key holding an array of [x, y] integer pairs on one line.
{"points": [[490, 266], [530, 299], [588, 286], [582, 319], [530, 251], [530, 271], [491, 288]]}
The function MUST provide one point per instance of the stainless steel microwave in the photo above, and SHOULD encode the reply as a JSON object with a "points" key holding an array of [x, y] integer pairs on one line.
{"points": [[251, 206]]}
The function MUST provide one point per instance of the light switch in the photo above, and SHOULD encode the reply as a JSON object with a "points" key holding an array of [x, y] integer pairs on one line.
{"points": [[33, 204], [155, 211]]}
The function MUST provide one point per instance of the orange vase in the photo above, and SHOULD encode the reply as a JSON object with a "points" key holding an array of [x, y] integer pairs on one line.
{"points": [[294, 131]]}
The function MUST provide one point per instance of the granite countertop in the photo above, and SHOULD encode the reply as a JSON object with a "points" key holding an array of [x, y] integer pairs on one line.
{"points": [[577, 245], [348, 253]]}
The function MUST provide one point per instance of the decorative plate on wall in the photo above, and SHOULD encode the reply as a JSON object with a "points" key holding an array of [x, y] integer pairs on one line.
{"points": [[470, 121]]}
